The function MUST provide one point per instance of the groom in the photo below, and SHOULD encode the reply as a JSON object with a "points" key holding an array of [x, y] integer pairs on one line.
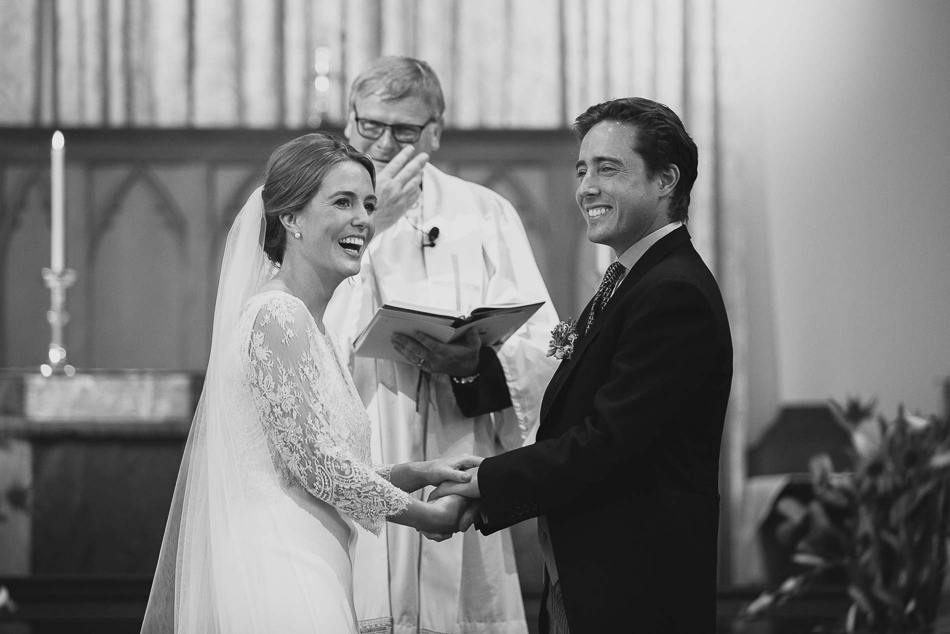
{"points": [[624, 474]]}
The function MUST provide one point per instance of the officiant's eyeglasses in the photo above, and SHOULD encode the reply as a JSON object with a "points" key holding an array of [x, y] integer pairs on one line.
{"points": [[402, 132]]}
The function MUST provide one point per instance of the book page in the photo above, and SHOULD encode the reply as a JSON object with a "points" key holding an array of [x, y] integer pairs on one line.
{"points": [[493, 325]]}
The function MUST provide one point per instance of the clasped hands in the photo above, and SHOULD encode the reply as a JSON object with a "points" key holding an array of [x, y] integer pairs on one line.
{"points": [[456, 496]]}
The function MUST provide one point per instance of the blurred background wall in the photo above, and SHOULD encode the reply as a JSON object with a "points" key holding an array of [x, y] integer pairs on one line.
{"points": [[842, 120]]}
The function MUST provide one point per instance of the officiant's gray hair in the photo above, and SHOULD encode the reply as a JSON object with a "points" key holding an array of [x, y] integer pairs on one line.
{"points": [[294, 175], [395, 77]]}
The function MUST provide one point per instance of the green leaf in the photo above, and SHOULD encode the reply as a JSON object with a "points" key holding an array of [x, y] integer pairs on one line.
{"points": [[808, 559], [860, 599], [885, 595], [940, 460]]}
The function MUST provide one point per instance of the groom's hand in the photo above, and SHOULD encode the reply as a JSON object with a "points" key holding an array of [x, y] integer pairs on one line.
{"points": [[450, 469], [449, 512], [465, 489], [471, 513]]}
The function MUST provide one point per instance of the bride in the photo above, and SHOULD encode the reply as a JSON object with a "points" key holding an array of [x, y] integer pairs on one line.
{"points": [[276, 472]]}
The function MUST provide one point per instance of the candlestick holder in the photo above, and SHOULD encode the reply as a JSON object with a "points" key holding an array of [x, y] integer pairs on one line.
{"points": [[57, 282]]}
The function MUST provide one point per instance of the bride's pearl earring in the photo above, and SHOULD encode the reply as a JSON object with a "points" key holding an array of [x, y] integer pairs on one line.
{"points": [[297, 234]]}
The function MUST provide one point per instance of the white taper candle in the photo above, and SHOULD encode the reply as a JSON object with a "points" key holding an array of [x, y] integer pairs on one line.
{"points": [[57, 237]]}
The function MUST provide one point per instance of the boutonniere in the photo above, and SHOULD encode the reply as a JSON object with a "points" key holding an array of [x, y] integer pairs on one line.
{"points": [[562, 339]]}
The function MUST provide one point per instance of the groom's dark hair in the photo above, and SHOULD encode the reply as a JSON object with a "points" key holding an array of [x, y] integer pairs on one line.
{"points": [[662, 141], [293, 176]]}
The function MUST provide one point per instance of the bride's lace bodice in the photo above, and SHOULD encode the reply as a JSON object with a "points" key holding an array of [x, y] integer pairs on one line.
{"points": [[312, 417]]}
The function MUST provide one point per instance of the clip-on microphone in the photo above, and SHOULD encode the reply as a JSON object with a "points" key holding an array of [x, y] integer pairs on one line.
{"points": [[432, 235]]}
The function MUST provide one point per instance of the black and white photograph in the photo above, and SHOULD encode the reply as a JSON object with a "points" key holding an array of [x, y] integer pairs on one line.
{"points": [[474, 316]]}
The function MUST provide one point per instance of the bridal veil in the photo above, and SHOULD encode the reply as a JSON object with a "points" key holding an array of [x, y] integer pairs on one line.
{"points": [[205, 579]]}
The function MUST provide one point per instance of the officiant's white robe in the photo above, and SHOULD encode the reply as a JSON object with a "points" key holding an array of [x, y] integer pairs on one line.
{"points": [[468, 583]]}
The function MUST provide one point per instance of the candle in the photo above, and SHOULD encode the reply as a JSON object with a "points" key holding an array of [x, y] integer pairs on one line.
{"points": [[57, 237]]}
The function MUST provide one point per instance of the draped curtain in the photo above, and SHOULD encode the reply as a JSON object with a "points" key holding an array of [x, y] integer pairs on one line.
{"points": [[504, 64], [289, 64], [251, 63]]}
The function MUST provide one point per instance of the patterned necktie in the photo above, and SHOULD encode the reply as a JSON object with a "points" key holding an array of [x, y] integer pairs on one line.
{"points": [[614, 271]]}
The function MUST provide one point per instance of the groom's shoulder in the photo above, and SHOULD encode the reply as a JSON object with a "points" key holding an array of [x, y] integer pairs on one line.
{"points": [[680, 278], [682, 262]]}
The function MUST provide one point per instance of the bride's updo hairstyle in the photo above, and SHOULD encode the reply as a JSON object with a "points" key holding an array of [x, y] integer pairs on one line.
{"points": [[294, 175]]}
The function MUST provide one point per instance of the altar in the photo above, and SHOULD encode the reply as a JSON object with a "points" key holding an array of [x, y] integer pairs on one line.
{"points": [[85, 462]]}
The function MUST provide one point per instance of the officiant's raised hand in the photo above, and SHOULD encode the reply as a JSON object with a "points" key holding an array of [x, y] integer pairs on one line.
{"points": [[428, 353], [398, 186]]}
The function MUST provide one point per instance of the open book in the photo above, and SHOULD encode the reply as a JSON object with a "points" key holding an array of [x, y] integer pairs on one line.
{"points": [[494, 324]]}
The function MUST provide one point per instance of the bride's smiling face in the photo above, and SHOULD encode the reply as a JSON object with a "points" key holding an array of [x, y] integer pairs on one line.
{"points": [[337, 224]]}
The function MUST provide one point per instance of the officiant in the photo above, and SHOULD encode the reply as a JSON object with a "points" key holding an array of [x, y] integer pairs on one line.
{"points": [[446, 243]]}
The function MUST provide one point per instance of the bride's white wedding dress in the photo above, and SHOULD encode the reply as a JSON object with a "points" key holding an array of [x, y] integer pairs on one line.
{"points": [[310, 424], [276, 472]]}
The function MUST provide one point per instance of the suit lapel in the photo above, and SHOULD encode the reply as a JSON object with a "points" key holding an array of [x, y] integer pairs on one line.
{"points": [[554, 385], [649, 259]]}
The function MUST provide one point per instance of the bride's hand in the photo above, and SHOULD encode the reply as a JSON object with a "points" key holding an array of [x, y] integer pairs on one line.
{"points": [[448, 512], [451, 469], [412, 476]]}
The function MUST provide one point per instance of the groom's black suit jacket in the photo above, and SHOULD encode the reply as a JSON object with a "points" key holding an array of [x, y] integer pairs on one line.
{"points": [[626, 464]]}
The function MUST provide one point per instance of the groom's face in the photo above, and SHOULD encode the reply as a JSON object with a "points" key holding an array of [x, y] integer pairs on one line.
{"points": [[620, 201]]}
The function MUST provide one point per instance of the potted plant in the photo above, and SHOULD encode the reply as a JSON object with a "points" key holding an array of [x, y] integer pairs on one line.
{"points": [[883, 526]]}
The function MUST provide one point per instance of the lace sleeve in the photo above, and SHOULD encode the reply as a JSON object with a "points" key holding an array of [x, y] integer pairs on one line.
{"points": [[316, 432], [385, 471]]}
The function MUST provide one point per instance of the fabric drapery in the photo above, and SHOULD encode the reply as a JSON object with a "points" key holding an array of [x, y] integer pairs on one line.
{"points": [[241, 63]]}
